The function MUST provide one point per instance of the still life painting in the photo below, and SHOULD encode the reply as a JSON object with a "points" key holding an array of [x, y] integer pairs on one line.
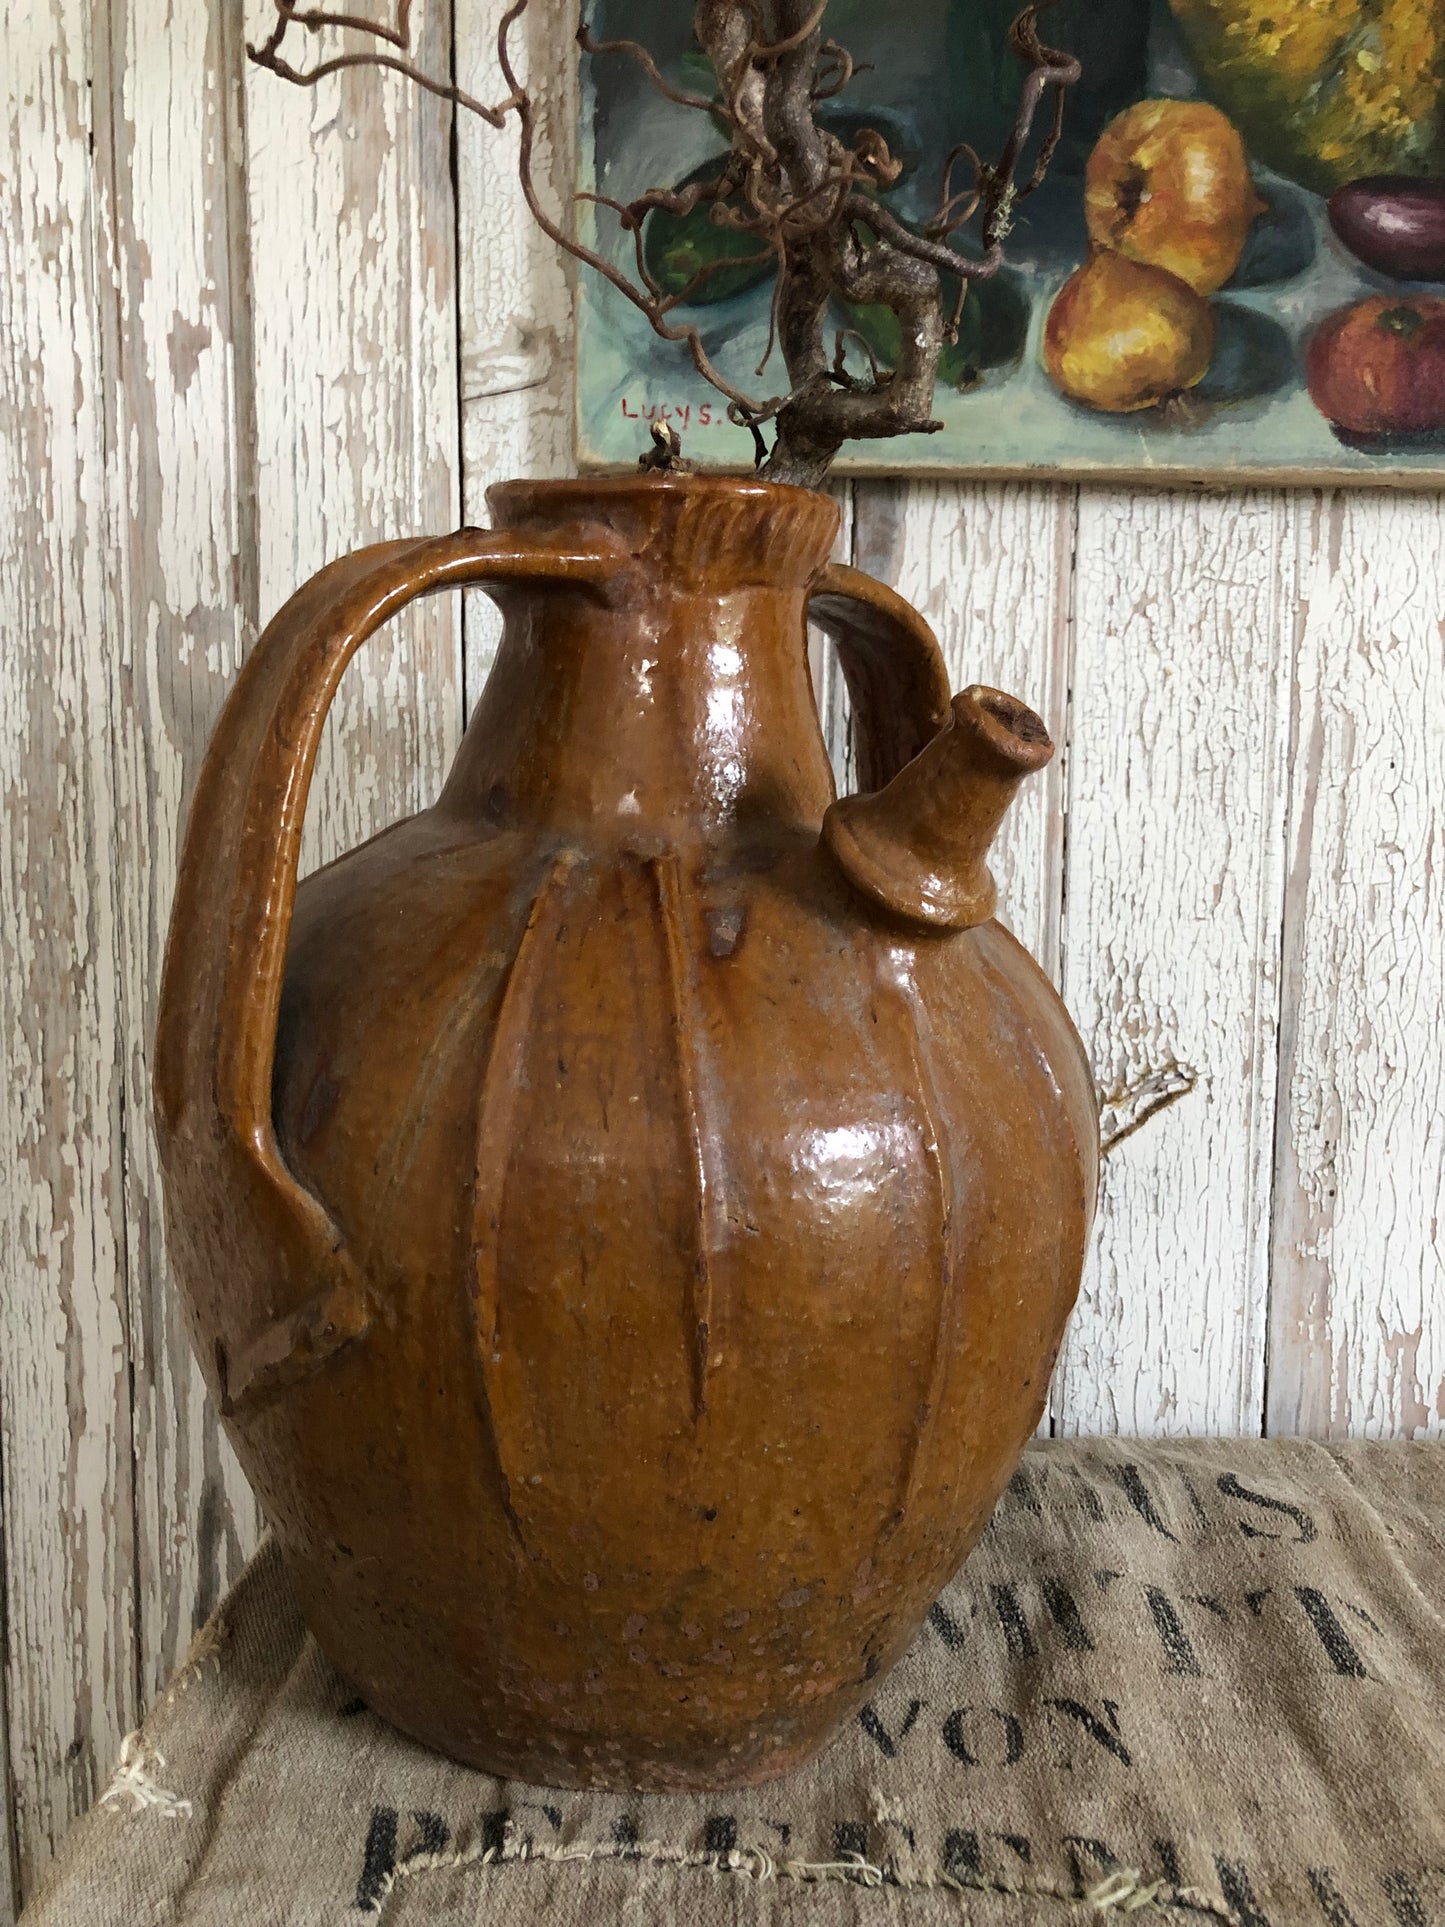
{"points": [[1235, 269]]}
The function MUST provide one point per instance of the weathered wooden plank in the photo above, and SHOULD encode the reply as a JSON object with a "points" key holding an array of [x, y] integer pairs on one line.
{"points": [[1357, 1331], [9, 1855], [990, 566], [1174, 900], [515, 289], [830, 692], [183, 602], [353, 281], [64, 1394]]}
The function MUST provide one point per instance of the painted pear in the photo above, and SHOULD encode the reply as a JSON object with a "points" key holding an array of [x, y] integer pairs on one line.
{"points": [[1122, 335]]}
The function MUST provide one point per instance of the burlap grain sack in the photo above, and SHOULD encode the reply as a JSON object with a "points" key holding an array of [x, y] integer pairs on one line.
{"points": [[1203, 1679]]}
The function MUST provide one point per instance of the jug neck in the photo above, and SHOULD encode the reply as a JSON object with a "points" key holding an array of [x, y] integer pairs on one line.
{"points": [[676, 706]]}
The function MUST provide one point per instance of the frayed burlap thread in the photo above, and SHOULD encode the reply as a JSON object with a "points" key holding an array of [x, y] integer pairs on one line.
{"points": [[1186, 1681]]}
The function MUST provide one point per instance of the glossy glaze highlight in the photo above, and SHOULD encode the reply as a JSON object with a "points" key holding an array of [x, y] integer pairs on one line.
{"points": [[628, 1229]]}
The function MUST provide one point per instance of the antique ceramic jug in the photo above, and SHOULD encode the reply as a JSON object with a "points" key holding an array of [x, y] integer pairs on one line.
{"points": [[628, 1212]]}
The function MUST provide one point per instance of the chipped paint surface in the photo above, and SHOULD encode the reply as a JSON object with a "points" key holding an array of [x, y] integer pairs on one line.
{"points": [[64, 1407], [182, 608], [234, 344], [1358, 1305], [1174, 905]]}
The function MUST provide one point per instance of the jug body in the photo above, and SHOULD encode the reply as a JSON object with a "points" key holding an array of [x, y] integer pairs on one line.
{"points": [[686, 1235]]}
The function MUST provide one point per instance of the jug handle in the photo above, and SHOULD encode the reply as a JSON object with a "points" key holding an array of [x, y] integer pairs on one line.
{"points": [[229, 1189], [892, 665]]}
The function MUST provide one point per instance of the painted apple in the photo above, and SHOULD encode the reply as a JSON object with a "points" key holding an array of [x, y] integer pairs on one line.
{"points": [[1378, 368], [1168, 183], [1123, 335]]}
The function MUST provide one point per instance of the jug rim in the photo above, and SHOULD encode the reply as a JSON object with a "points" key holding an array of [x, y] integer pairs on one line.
{"points": [[612, 485], [719, 532]]}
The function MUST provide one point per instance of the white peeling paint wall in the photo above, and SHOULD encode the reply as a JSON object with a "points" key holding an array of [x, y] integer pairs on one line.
{"points": [[245, 328]]}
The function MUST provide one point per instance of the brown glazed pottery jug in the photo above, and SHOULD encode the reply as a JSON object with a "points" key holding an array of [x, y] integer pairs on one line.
{"points": [[627, 1213]]}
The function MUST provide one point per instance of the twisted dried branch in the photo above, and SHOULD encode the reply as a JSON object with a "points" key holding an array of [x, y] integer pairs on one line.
{"points": [[649, 66], [808, 202]]}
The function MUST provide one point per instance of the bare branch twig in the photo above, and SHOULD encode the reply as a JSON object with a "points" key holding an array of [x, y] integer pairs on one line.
{"points": [[269, 56], [649, 66], [317, 17], [809, 202]]}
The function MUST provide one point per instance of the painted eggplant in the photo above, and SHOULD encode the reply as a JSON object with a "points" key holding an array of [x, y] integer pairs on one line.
{"points": [[1394, 223], [1378, 367]]}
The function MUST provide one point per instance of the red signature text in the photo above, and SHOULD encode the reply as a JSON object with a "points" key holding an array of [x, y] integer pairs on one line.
{"points": [[682, 415]]}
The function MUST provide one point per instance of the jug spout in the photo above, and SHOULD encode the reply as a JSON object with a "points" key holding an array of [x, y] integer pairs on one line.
{"points": [[919, 846]]}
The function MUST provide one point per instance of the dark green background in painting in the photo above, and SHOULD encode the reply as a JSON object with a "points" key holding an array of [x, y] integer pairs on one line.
{"points": [[938, 72]]}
